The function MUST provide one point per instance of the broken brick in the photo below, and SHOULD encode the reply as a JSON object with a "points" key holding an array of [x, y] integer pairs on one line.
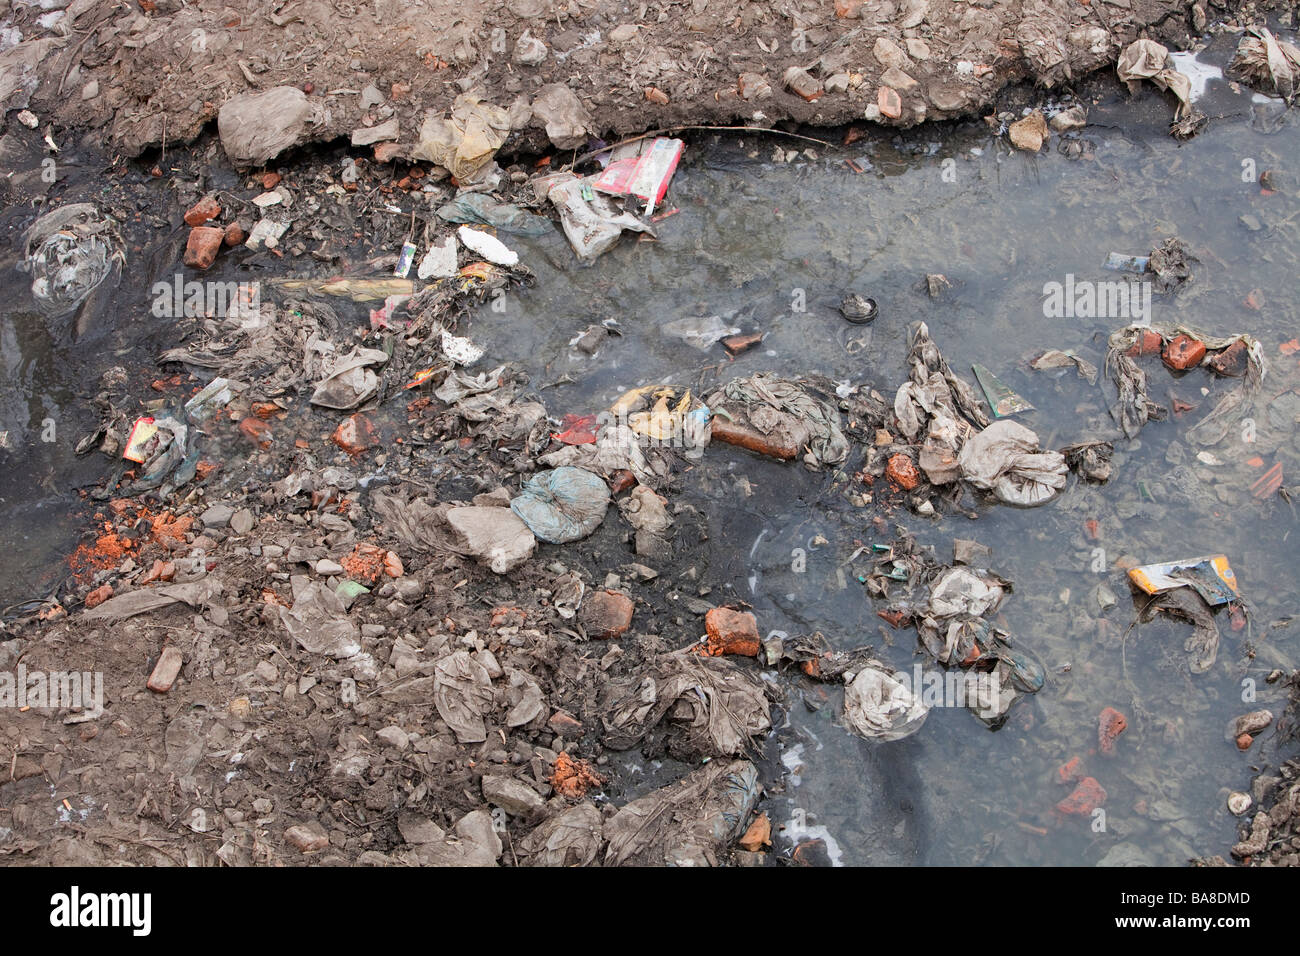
{"points": [[356, 434], [1148, 343], [564, 724], [99, 595], [606, 614], [901, 470], [203, 245], [1231, 362], [889, 102], [1183, 352], [1110, 724], [256, 431], [205, 210], [731, 632], [166, 670], [1087, 796]]}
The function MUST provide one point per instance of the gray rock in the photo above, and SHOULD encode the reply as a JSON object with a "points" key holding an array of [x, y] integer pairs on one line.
{"points": [[477, 828], [365, 136], [242, 521], [511, 795], [217, 516]]}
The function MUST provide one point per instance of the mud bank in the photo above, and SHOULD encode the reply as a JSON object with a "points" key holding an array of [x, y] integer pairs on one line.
{"points": [[156, 73]]}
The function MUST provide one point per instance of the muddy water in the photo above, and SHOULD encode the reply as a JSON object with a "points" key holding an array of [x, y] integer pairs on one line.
{"points": [[756, 239], [772, 246]]}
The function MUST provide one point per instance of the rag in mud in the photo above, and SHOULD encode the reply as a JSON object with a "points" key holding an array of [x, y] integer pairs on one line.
{"points": [[712, 707], [786, 414]]}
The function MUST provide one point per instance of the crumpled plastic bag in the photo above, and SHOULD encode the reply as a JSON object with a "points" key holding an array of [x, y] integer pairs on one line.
{"points": [[1145, 60], [699, 332], [1004, 459], [687, 823], [257, 127], [462, 692], [935, 399], [593, 225], [466, 142], [348, 380], [879, 705], [68, 253], [562, 505], [319, 623], [961, 591]]}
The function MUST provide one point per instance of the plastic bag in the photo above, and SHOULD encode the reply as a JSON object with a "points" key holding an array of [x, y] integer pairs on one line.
{"points": [[879, 705], [562, 505], [349, 381], [478, 208], [1004, 459], [466, 142], [593, 225], [69, 252], [257, 127]]}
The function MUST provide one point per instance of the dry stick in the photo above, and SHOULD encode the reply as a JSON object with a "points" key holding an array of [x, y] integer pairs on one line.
{"points": [[674, 129]]}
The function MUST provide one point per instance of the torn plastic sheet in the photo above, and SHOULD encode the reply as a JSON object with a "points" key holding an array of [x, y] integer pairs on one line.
{"points": [[572, 837], [319, 623], [1187, 605], [68, 253], [197, 594], [462, 693], [1056, 358], [466, 141], [934, 399], [1148, 60], [699, 332], [1267, 63], [711, 706]]}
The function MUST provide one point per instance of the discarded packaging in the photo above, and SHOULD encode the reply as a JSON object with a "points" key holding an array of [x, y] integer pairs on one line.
{"points": [[1209, 576], [592, 221]]}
